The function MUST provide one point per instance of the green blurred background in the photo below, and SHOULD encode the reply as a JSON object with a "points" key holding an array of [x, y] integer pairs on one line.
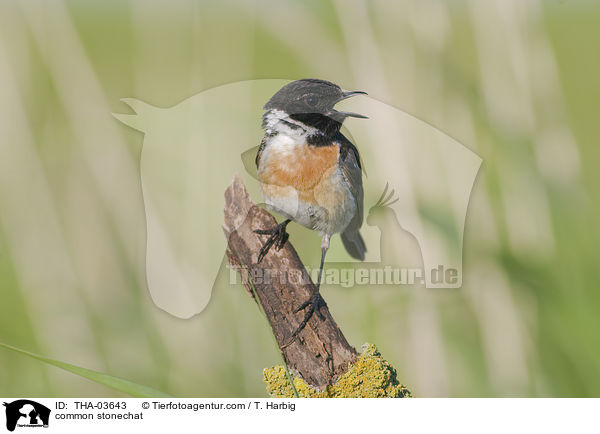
{"points": [[515, 81]]}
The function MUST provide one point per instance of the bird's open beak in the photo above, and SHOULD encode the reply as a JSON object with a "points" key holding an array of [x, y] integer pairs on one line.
{"points": [[350, 93], [346, 95]]}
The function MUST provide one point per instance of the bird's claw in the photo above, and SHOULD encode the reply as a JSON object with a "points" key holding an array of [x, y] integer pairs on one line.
{"points": [[278, 237], [314, 304]]}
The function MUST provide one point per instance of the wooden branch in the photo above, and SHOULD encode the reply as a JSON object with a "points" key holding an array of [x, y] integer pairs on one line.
{"points": [[320, 354]]}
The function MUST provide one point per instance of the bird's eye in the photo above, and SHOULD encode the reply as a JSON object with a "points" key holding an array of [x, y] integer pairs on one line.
{"points": [[311, 100]]}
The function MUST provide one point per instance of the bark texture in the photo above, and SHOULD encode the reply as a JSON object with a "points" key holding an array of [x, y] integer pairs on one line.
{"points": [[320, 354]]}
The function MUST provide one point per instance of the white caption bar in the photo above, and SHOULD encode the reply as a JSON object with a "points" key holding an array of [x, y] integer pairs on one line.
{"points": [[93, 415]]}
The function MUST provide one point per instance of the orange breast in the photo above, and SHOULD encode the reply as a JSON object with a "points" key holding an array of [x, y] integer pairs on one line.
{"points": [[302, 167]]}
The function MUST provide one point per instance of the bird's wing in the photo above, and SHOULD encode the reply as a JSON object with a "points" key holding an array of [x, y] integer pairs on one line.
{"points": [[349, 161], [351, 169], [261, 148]]}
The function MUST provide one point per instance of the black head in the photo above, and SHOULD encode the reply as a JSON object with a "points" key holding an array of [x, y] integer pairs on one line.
{"points": [[311, 102]]}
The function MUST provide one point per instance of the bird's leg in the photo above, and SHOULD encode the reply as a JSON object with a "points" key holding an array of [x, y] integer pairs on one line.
{"points": [[315, 302], [278, 237]]}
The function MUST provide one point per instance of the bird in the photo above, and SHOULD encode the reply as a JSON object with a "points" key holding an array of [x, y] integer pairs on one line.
{"points": [[310, 173]]}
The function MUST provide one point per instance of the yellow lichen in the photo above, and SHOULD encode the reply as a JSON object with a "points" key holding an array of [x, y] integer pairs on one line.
{"points": [[369, 377]]}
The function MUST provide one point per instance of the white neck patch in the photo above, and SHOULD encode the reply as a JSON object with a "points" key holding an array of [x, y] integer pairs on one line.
{"points": [[280, 122]]}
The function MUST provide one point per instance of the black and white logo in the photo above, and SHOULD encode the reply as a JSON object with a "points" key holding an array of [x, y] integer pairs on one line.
{"points": [[26, 413]]}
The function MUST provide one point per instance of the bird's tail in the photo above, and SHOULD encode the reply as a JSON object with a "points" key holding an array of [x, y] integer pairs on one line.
{"points": [[354, 244]]}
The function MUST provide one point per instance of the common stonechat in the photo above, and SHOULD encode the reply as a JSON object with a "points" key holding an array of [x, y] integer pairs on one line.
{"points": [[309, 172]]}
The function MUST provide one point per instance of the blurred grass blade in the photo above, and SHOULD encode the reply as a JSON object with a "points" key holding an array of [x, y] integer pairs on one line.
{"points": [[125, 386]]}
